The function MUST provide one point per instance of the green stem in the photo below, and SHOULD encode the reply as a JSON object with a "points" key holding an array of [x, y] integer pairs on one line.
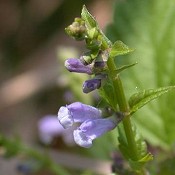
{"points": [[123, 106]]}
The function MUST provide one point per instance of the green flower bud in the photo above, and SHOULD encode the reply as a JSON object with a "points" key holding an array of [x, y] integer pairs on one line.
{"points": [[77, 29]]}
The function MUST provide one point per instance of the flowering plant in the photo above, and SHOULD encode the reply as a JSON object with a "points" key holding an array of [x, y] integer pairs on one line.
{"points": [[101, 63]]}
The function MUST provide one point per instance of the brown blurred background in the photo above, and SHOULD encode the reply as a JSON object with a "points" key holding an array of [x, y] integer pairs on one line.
{"points": [[31, 31]]}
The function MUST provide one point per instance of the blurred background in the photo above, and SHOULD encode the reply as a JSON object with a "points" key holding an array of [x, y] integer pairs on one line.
{"points": [[33, 47], [34, 82]]}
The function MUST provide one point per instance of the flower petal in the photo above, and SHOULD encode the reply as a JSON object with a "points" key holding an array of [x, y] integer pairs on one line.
{"points": [[77, 112], [65, 117], [82, 112], [81, 139], [91, 129]]}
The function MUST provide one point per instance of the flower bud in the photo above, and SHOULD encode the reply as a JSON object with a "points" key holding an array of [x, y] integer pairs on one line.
{"points": [[75, 65], [90, 85], [95, 83], [99, 66], [77, 29]]}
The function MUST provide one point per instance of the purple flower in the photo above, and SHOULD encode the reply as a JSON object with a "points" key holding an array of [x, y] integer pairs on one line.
{"points": [[92, 125], [49, 128], [90, 85], [77, 112], [75, 65], [91, 129], [95, 83], [100, 66]]}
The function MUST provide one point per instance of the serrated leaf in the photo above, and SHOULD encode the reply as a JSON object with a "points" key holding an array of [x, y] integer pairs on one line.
{"points": [[123, 145], [120, 69], [140, 99], [151, 30], [138, 165], [119, 48], [88, 18], [147, 158], [142, 155]]}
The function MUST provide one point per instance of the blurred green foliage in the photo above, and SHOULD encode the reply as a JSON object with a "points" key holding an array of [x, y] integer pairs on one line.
{"points": [[14, 147], [149, 26]]}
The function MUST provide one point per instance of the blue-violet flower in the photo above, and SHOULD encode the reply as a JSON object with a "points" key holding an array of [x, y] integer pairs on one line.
{"points": [[49, 128], [77, 112], [95, 83], [92, 84], [91, 129], [92, 125], [75, 65]]}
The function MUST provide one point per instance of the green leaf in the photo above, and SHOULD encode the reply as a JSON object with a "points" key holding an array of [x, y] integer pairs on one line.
{"points": [[88, 18], [149, 26], [92, 33], [92, 25], [140, 99], [123, 145], [137, 165], [120, 69], [119, 48], [142, 155]]}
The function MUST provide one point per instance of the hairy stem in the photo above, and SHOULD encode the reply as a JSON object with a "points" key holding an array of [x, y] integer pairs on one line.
{"points": [[124, 107]]}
